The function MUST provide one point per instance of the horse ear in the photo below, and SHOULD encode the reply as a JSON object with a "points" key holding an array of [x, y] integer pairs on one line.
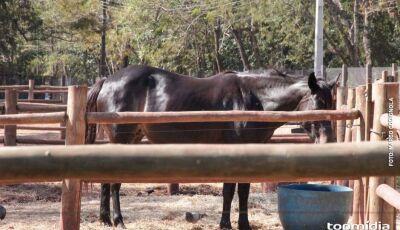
{"points": [[312, 83], [334, 82]]}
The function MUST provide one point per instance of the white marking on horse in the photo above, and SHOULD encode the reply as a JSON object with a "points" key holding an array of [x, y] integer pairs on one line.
{"points": [[238, 125], [158, 94]]}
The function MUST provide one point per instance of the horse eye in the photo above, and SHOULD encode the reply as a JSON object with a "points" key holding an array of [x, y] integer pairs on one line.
{"points": [[320, 102]]}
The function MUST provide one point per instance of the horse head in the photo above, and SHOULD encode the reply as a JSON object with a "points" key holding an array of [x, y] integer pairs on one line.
{"points": [[319, 98]]}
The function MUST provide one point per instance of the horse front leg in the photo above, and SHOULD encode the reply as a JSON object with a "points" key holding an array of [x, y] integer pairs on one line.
{"points": [[105, 205], [117, 217], [228, 192], [243, 191]]}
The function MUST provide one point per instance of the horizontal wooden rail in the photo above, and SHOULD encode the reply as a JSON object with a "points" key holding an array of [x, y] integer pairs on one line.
{"points": [[36, 91], [14, 87], [50, 87], [34, 101], [35, 141], [282, 139], [37, 88], [41, 101], [194, 163], [219, 116], [395, 123], [38, 118], [40, 107], [45, 128], [389, 194]]}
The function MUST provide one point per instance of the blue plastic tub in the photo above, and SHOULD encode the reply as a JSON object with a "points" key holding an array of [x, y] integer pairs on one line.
{"points": [[313, 206]]}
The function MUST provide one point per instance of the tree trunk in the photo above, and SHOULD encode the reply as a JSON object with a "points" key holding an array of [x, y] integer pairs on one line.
{"points": [[254, 46], [237, 34], [342, 21], [200, 60], [355, 34], [217, 36], [125, 57], [366, 39], [103, 67]]}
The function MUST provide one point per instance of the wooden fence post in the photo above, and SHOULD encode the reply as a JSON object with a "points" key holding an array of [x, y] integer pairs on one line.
{"points": [[374, 207], [62, 124], [340, 100], [351, 102], [388, 211], [10, 131], [359, 186], [368, 118], [384, 91], [31, 84], [395, 72], [369, 104], [173, 189], [75, 135], [385, 76]]}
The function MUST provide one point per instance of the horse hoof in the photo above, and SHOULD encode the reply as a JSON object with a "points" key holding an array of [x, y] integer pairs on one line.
{"points": [[2, 212], [244, 226], [119, 224], [106, 221], [225, 225]]}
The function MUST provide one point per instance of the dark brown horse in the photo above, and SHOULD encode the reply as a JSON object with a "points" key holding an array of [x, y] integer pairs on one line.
{"points": [[148, 89]]}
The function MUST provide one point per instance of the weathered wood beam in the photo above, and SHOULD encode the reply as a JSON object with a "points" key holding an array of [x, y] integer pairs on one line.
{"points": [[389, 194], [395, 121], [216, 163], [39, 107], [38, 118], [219, 116]]}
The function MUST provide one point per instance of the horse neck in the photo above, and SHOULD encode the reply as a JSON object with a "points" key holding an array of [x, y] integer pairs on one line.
{"points": [[286, 98], [304, 103]]}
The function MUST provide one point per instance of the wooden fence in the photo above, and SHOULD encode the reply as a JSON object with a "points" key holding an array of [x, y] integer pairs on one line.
{"points": [[31, 89], [31, 105], [372, 100], [386, 189], [363, 163]]}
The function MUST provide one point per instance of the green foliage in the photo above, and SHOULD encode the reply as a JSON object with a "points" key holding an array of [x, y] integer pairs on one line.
{"points": [[385, 33], [62, 38]]}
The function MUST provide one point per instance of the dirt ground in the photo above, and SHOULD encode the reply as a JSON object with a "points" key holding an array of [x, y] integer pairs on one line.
{"points": [[37, 206]]}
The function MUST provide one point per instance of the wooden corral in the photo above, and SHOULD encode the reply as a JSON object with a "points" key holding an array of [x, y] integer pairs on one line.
{"points": [[32, 105], [362, 162], [373, 100]]}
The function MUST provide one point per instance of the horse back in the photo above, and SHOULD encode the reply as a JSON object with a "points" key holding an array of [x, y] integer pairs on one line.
{"points": [[148, 89]]}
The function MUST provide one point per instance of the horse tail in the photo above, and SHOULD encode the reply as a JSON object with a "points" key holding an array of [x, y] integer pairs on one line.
{"points": [[91, 106]]}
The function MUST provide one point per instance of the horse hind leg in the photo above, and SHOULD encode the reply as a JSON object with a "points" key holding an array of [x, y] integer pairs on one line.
{"points": [[117, 218], [105, 205], [124, 134], [228, 192], [243, 192]]}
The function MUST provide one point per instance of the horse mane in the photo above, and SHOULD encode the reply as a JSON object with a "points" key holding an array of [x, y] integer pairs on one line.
{"points": [[280, 73], [224, 73], [228, 71], [271, 78]]}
